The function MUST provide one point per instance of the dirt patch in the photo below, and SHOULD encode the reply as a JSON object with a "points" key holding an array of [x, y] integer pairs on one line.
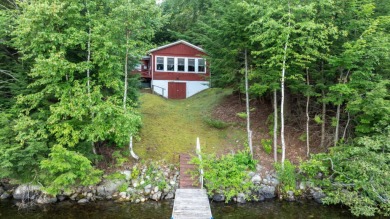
{"points": [[260, 111]]}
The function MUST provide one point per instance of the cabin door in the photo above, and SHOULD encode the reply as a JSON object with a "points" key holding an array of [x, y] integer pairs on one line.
{"points": [[176, 90]]}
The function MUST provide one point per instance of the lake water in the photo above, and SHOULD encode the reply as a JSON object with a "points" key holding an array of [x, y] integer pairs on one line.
{"points": [[154, 210]]}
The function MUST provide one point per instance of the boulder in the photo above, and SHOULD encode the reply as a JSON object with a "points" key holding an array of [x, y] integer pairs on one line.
{"points": [[83, 201], [290, 196], [256, 179], [218, 197], [5, 195], [1, 190], [241, 198], [26, 191], [156, 196], [317, 194], [267, 192], [170, 195], [108, 187], [46, 199], [62, 197], [127, 174]]}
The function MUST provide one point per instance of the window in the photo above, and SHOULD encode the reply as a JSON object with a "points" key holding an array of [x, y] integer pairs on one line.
{"points": [[180, 64], [201, 67], [171, 64], [191, 65], [160, 63]]}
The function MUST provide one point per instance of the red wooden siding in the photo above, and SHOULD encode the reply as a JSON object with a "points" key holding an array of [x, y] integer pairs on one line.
{"points": [[180, 76], [179, 50], [176, 90]]}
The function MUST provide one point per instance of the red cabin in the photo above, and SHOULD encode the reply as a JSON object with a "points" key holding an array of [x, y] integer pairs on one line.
{"points": [[176, 71]]}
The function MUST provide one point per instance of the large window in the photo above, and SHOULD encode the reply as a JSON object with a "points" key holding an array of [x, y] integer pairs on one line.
{"points": [[201, 66], [160, 63], [171, 64], [191, 65], [180, 64]]}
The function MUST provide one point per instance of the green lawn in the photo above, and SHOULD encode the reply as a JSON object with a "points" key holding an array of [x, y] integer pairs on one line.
{"points": [[170, 127]]}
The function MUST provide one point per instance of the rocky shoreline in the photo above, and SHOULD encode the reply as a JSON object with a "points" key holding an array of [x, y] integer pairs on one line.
{"points": [[143, 183]]}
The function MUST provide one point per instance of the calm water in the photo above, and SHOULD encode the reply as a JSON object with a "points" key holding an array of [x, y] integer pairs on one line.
{"points": [[268, 209]]}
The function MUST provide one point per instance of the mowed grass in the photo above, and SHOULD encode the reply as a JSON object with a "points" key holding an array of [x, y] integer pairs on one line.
{"points": [[170, 127]]}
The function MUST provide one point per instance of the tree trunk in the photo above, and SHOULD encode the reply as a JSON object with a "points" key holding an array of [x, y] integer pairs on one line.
{"points": [[307, 116], [282, 94], [88, 70], [125, 93], [275, 126], [336, 134], [323, 120], [248, 124]]}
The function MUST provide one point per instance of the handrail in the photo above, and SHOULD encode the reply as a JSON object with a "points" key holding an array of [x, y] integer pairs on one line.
{"points": [[200, 159]]}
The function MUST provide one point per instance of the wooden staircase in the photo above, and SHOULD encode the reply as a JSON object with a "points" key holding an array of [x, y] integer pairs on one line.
{"points": [[185, 173]]}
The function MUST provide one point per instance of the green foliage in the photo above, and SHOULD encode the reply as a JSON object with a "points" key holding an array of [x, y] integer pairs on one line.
{"points": [[287, 176], [215, 123], [318, 119], [65, 169], [135, 172], [267, 145], [355, 175], [302, 137], [242, 115], [115, 176], [227, 174], [119, 159], [123, 187]]}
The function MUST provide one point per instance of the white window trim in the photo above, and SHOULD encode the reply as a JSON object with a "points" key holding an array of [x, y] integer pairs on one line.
{"points": [[185, 64]]}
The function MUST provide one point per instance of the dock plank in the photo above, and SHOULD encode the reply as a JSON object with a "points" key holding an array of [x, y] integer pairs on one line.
{"points": [[191, 203]]}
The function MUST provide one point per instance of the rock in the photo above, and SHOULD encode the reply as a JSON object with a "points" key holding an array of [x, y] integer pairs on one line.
{"points": [[127, 174], [83, 201], [241, 198], [258, 167], [256, 179], [156, 196], [267, 192], [143, 199], [61, 197], [218, 197], [251, 174], [170, 195], [260, 198], [156, 189], [123, 195], [109, 187], [25, 191], [317, 194], [46, 199], [274, 182], [137, 201], [302, 186], [172, 182], [147, 191], [290, 196], [1, 190], [5, 195]]}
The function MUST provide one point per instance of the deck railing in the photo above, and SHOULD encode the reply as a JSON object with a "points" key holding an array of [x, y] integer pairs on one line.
{"points": [[198, 151]]}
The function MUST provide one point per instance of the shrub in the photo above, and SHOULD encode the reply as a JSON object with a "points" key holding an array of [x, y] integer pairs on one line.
{"points": [[215, 123], [287, 176], [226, 175], [267, 145]]}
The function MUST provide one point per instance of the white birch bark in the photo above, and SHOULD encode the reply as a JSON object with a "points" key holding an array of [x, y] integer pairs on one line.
{"points": [[275, 126], [323, 121], [307, 116], [248, 126], [282, 93]]}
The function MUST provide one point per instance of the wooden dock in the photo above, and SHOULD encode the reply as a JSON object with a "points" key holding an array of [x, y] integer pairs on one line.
{"points": [[191, 202]]}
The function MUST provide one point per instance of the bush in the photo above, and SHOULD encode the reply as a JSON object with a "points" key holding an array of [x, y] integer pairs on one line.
{"points": [[267, 145], [287, 176], [215, 123], [226, 175]]}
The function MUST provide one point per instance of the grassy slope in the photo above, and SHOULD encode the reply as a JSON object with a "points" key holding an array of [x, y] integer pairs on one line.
{"points": [[170, 127]]}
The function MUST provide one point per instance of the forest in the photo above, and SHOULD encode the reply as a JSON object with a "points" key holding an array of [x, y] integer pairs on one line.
{"points": [[66, 87]]}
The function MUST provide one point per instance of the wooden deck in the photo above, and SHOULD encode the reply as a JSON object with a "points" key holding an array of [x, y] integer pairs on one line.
{"points": [[191, 202]]}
